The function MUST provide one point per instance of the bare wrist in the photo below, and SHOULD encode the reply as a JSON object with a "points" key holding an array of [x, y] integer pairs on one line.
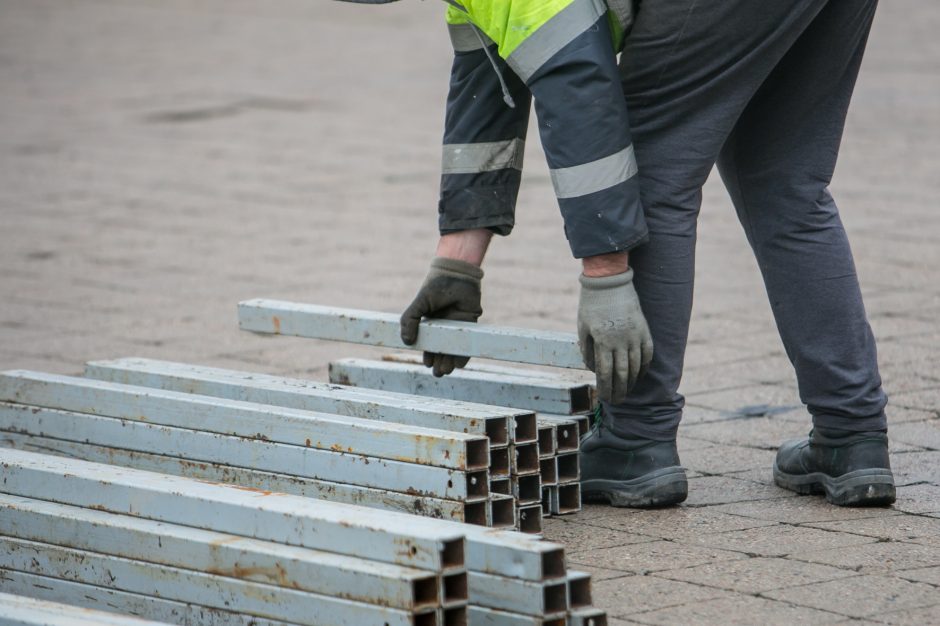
{"points": [[605, 264], [466, 245]]}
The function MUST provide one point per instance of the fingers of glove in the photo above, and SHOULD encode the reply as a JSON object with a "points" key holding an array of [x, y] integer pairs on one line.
{"points": [[411, 318], [635, 358], [429, 359], [623, 377], [443, 365], [461, 361], [587, 351], [646, 356], [604, 360]]}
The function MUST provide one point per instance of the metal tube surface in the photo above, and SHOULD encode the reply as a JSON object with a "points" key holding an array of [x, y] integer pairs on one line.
{"points": [[454, 510], [189, 586], [23, 611], [533, 394], [295, 393], [372, 328], [216, 553], [325, 431], [424, 480], [352, 530]]}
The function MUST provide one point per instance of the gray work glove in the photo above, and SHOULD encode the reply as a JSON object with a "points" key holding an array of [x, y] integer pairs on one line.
{"points": [[614, 337], [450, 291]]}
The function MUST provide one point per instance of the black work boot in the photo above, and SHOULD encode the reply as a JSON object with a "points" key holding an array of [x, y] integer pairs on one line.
{"points": [[851, 469], [638, 473]]}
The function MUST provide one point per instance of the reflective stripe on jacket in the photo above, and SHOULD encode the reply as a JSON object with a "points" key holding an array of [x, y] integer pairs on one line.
{"points": [[562, 52]]}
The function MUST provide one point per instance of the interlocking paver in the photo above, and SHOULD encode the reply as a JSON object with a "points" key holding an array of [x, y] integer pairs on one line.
{"points": [[712, 490], [894, 527], [676, 524], [861, 596], [757, 432], [919, 499], [652, 556], [726, 459], [744, 610], [779, 540], [800, 510], [929, 575], [756, 575], [580, 538], [635, 594], [911, 617], [190, 155], [923, 434], [881, 557]]}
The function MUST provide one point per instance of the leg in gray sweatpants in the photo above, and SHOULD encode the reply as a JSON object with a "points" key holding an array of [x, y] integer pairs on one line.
{"points": [[761, 89]]}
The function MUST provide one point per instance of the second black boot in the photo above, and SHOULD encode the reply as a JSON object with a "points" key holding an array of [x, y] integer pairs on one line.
{"points": [[850, 468], [638, 473]]}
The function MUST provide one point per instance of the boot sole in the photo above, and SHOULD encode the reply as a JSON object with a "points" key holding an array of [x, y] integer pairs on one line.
{"points": [[663, 487], [867, 487]]}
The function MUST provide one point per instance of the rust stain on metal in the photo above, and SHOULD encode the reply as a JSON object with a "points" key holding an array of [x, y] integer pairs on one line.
{"points": [[224, 540], [277, 574]]}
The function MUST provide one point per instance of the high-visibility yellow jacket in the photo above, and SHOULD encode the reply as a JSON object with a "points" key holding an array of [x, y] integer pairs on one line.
{"points": [[562, 53]]}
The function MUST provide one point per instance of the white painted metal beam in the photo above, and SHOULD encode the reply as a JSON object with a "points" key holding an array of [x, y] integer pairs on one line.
{"points": [[451, 415], [217, 553], [587, 617], [278, 517], [472, 512], [195, 587], [382, 329], [534, 394], [542, 599], [23, 611], [579, 590], [482, 616], [583, 420], [192, 445], [530, 518], [99, 598], [383, 536], [569, 467], [246, 419]]}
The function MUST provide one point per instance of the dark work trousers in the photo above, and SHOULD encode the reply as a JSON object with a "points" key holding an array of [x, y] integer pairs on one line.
{"points": [[761, 89]]}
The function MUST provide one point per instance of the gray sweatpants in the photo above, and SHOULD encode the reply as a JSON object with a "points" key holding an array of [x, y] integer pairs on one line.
{"points": [[761, 89]]}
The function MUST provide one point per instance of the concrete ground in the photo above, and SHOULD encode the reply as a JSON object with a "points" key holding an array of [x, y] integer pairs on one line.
{"points": [[160, 161]]}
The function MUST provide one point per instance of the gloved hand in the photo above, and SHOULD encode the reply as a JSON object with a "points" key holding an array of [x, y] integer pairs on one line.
{"points": [[450, 291], [614, 337]]}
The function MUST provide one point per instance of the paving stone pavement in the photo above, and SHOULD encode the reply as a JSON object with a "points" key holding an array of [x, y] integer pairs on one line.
{"points": [[160, 161]]}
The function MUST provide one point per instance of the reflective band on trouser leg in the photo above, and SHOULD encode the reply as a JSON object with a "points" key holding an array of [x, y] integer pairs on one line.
{"points": [[465, 38], [472, 158], [581, 180], [530, 55]]}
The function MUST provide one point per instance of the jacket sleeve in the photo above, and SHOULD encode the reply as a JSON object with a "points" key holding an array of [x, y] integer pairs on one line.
{"points": [[484, 138], [564, 53]]}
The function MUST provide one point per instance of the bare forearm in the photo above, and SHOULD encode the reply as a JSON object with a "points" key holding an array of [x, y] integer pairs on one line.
{"points": [[605, 264], [466, 245]]}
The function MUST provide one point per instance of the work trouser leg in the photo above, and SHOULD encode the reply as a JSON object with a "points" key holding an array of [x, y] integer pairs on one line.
{"points": [[777, 165], [689, 69]]}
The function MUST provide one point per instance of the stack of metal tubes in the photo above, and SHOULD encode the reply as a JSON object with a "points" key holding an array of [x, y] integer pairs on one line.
{"points": [[539, 467], [544, 475], [187, 551], [190, 442]]}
